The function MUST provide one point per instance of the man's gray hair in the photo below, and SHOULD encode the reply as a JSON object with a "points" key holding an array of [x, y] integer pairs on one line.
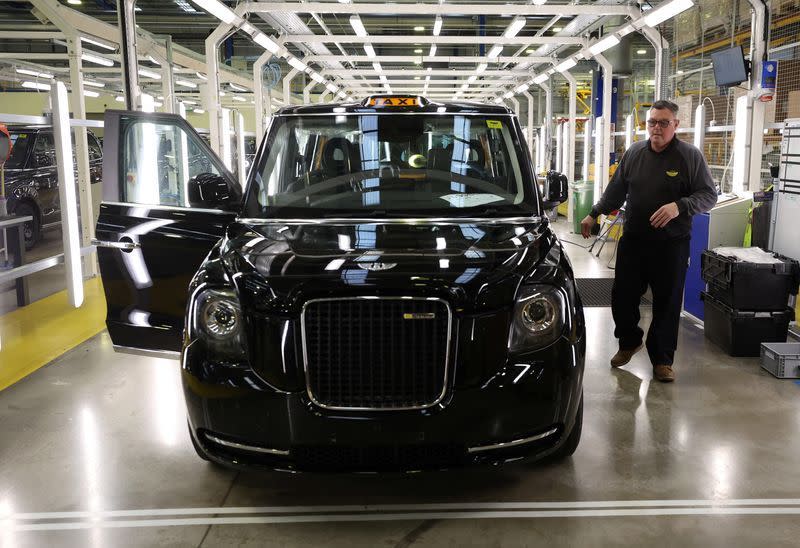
{"points": [[669, 105]]}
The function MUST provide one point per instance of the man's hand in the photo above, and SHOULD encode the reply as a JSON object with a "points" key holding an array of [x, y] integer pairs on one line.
{"points": [[664, 215], [586, 225]]}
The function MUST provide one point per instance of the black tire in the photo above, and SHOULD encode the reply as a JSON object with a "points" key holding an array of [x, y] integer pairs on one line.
{"points": [[574, 438], [32, 229]]}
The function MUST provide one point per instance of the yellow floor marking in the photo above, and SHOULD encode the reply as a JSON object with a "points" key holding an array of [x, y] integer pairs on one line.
{"points": [[35, 335]]}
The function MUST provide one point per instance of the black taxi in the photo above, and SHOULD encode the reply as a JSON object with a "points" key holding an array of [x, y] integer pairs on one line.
{"points": [[386, 292]]}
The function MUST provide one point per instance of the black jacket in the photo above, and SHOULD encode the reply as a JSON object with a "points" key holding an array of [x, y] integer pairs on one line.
{"points": [[646, 180]]}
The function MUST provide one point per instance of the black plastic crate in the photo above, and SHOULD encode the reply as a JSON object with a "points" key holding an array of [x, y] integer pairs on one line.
{"points": [[740, 333], [750, 286]]}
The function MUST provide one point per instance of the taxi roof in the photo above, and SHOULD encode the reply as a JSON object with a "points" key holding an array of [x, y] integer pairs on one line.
{"points": [[424, 106]]}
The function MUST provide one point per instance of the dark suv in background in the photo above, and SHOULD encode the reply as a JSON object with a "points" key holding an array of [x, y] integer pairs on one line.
{"points": [[32, 178]]}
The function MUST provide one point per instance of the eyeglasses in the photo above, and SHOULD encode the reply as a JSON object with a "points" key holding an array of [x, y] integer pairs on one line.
{"points": [[663, 124]]}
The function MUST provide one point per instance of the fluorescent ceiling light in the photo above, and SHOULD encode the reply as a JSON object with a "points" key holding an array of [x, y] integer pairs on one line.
{"points": [[218, 10], [377, 67], [521, 88], [201, 76], [432, 52], [557, 29], [332, 88], [188, 102], [185, 6], [383, 79], [437, 25], [186, 84], [149, 74], [317, 78], [419, 29], [98, 43], [481, 68], [266, 42], [342, 95], [514, 27], [495, 51], [358, 26], [236, 87], [93, 84], [198, 111], [297, 64], [472, 79], [97, 60], [427, 79], [239, 99], [666, 11], [540, 79], [418, 50], [538, 2], [417, 78], [74, 2], [119, 99], [465, 86], [498, 100], [90, 93], [606, 43], [369, 50], [36, 85], [566, 65], [153, 60], [508, 95], [35, 73], [626, 30], [641, 51]]}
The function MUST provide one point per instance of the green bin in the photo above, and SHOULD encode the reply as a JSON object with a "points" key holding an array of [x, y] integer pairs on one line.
{"points": [[582, 202]]}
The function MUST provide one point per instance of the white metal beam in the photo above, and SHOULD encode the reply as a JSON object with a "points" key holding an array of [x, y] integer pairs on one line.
{"points": [[487, 8], [607, 121], [406, 38], [423, 58]]}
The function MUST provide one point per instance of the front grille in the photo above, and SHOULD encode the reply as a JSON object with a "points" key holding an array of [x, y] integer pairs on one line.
{"points": [[387, 353]]}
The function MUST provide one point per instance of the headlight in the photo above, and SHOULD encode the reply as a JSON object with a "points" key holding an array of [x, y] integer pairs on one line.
{"points": [[217, 319], [538, 318]]}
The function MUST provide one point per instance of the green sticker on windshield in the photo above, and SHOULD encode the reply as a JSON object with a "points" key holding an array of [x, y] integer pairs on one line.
{"points": [[494, 124]]}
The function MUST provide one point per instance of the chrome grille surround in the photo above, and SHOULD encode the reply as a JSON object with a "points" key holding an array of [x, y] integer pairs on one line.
{"points": [[335, 407]]}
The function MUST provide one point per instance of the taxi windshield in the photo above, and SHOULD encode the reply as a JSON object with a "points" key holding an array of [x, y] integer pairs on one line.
{"points": [[394, 164]]}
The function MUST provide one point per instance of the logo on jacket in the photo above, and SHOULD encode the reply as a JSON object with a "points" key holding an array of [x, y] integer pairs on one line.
{"points": [[376, 267], [672, 173]]}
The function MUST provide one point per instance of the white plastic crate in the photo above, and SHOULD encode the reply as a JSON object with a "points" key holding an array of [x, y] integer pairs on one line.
{"points": [[781, 359]]}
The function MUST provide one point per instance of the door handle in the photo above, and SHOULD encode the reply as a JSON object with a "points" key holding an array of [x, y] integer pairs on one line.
{"points": [[123, 245]]}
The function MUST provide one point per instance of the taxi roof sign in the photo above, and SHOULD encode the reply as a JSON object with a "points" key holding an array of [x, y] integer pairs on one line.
{"points": [[394, 101]]}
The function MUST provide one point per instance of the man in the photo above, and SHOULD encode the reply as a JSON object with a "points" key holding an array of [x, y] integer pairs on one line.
{"points": [[664, 182]]}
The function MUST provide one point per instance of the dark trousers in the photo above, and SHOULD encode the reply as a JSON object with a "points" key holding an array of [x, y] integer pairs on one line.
{"points": [[661, 265]]}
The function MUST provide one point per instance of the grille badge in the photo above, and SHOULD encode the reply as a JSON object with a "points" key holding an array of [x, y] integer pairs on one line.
{"points": [[376, 266], [419, 316]]}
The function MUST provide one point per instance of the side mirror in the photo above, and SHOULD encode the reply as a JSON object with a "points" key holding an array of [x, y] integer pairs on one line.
{"points": [[209, 191], [556, 189]]}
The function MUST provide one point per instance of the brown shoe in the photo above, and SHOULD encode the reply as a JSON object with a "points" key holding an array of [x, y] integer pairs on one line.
{"points": [[663, 373], [624, 356]]}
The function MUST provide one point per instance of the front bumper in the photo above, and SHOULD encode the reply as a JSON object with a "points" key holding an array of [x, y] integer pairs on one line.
{"points": [[525, 410]]}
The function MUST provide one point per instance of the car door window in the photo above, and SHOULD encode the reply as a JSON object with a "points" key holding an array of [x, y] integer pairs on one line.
{"points": [[44, 151], [158, 160]]}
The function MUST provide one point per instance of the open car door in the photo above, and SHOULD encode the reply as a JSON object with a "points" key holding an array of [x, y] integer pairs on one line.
{"points": [[167, 199]]}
